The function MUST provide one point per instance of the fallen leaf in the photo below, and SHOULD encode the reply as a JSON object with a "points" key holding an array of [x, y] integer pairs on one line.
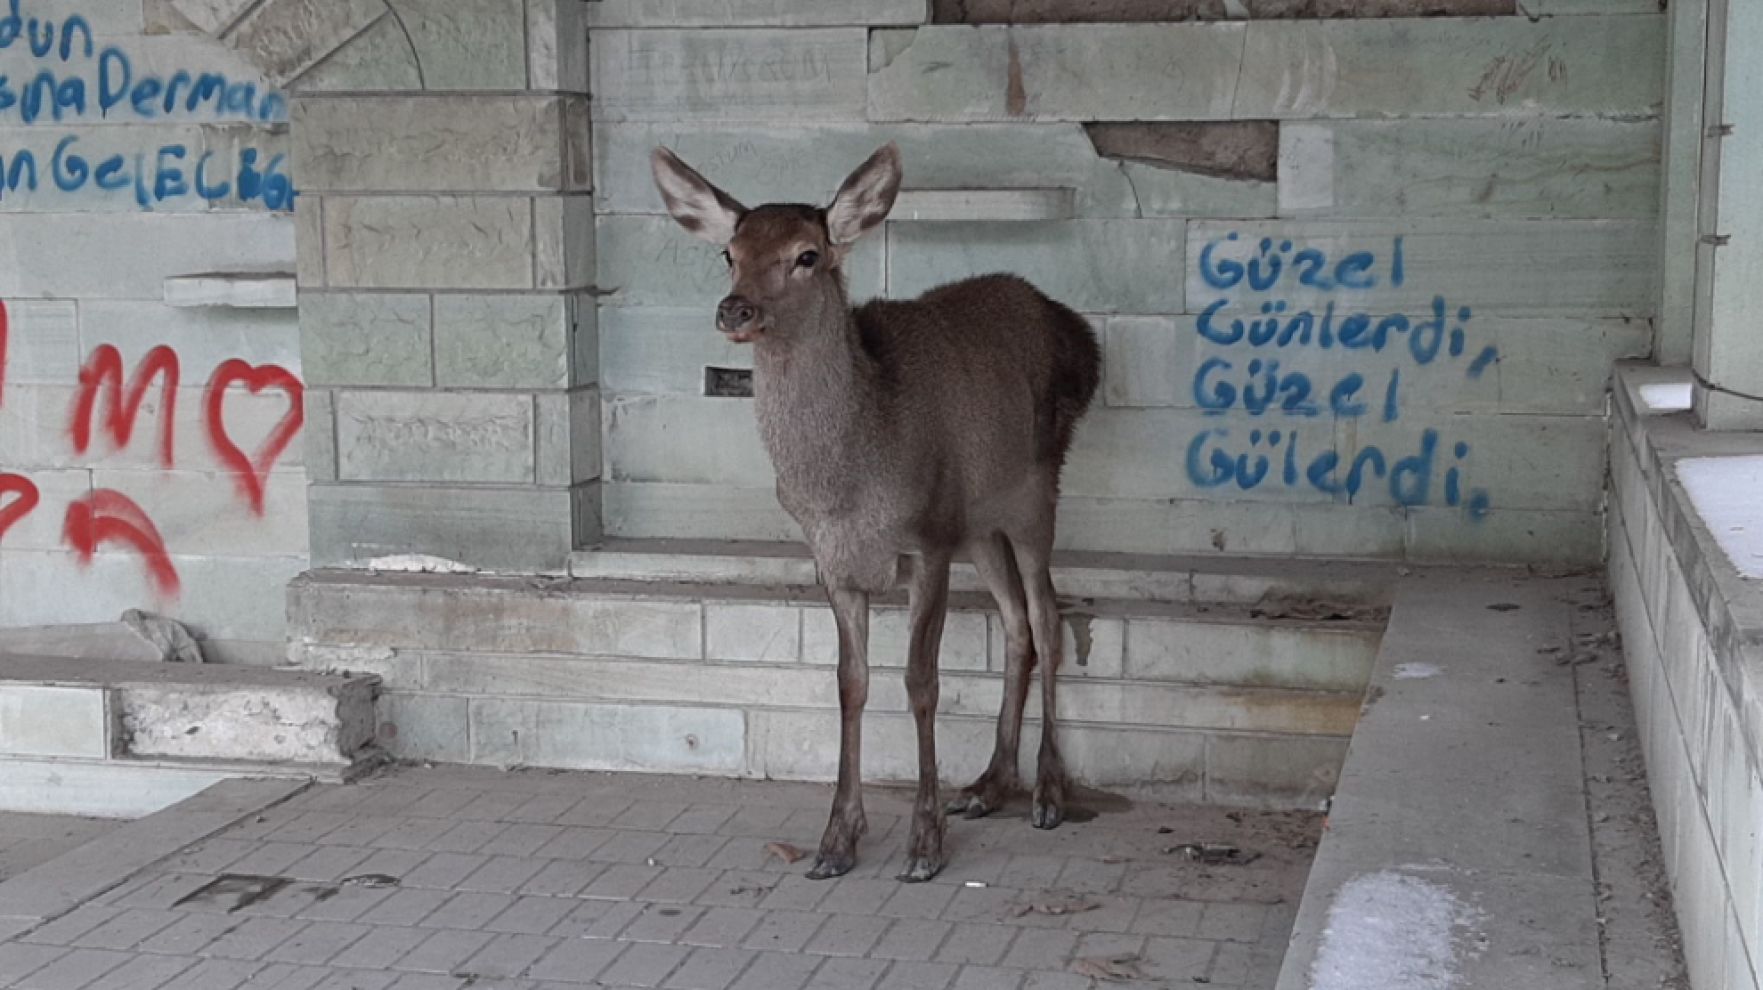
{"points": [[784, 851], [1057, 904], [1111, 969]]}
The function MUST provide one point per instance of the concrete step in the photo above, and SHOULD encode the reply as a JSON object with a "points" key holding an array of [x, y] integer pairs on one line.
{"points": [[126, 737], [1195, 700]]}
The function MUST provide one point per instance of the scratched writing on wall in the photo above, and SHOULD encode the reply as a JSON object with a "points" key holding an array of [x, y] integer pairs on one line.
{"points": [[108, 405], [58, 72], [1278, 307]]}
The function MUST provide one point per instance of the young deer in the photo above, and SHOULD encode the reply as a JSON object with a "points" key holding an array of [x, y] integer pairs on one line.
{"points": [[906, 428]]}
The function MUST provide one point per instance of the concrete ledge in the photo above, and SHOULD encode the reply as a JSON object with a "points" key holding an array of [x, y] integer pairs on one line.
{"points": [[982, 204], [236, 290]]}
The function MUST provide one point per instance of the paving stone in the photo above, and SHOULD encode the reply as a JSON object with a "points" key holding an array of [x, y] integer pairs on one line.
{"points": [[78, 968], [317, 943], [509, 955], [576, 960], [468, 910], [645, 965], [849, 974], [444, 870], [531, 915], [442, 951], [847, 935]]}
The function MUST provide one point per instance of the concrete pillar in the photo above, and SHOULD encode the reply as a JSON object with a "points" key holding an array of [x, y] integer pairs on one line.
{"points": [[446, 244], [1680, 205], [1728, 345]]}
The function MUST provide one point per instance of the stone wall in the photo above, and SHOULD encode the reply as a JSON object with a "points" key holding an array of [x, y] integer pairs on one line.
{"points": [[1448, 222], [147, 450]]}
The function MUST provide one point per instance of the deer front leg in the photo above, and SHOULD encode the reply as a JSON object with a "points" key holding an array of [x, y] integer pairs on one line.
{"points": [[930, 602], [838, 846]]}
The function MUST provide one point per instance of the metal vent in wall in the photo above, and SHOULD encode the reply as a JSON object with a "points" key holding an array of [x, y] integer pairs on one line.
{"points": [[728, 383]]}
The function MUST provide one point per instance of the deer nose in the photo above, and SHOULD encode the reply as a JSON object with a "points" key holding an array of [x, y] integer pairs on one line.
{"points": [[736, 314]]}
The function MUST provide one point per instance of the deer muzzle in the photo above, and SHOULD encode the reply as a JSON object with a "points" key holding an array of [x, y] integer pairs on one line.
{"points": [[739, 318]]}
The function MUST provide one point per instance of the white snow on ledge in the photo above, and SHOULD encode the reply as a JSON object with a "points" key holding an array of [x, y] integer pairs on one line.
{"points": [[1727, 492], [1389, 931], [1667, 396]]}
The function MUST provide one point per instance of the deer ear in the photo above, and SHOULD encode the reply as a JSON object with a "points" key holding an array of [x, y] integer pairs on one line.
{"points": [[866, 197], [699, 206]]}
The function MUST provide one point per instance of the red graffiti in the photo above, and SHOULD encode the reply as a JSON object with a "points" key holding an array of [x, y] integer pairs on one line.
{"points": [[104, 367], [25, 499], [107, 516], [253, 473]]}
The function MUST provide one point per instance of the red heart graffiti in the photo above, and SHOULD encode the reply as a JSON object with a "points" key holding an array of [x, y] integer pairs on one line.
{"points": [[253, 472], [18, 508]]}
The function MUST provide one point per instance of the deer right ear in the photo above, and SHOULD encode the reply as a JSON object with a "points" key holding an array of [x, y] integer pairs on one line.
{"points": [[866, 197], [699, 206]]}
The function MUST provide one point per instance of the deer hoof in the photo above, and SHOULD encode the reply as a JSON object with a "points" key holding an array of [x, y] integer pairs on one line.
{"points": [[1049, 807], [920, 869], [829, 865]]}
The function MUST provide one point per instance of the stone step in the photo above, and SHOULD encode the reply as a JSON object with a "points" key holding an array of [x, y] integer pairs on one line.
{"points": [[163, 730], [1192, 699]]}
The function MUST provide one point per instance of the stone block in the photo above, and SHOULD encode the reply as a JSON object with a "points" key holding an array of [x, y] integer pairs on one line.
{"points": [[556, 55], [202, 337], [1243, 149], [1531, 536], [34, 417], [199, 512], [753, 13], [684, 440], [1258, 654], [358, 338], [503, 341], [467, 44], [1565, 268], [1093, 266], [608, 737], [663, 350], [569, 436], [162, 17], [92, 256], [712, 74], [45, 720], [1107, 459], [43, 342], [211, 16], [284, 38], [309, 242], [890, 636], [942, 205], [1100, 652], [272, 148], [435, 436], [320, 435], [424, 727], [98, 790], [490, 615], [459, 242], [563, 236], [1145, 361], [320, 721], [1063, 72], [1436, 67], [1140, 11], [662, 510], [652, 261], [498, 529], [1176, 525], [1519, 461], [623, 680], [763, 633], [796, 745], [379, 59], [1534, 167], [1272, 771], [501, 143]]}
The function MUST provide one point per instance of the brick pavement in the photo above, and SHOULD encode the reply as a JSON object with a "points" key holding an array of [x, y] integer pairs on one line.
{"points": [[449, 878]]}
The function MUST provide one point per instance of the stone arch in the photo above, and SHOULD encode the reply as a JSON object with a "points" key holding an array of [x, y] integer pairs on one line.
{"points": [[353, 44]]}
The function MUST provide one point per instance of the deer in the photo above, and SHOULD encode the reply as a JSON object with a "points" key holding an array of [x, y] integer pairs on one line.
{"points": [[906, 429]]}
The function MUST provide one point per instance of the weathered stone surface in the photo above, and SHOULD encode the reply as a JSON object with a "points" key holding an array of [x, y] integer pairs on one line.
{"points": [[753, 13], [569, 436], [394, 143], [890, 633], [1728, 354], [563, 236], [196, 512], [319, 434], [1245, 149], [211, 16], [1523, 462], [1358, 68], [652, 261], [556, 52], [1142, 11], [1077, 72], [43, 720], [94, 256], [1101, 652], [458, 242], [162, 17], [503, 341], [1258, 655], [503, 529], [424, 727], [663, 510], [202, 337], [435, 436], [284, 38], [1575, 168], [710, 74], [43, 342], [1260, 771], [356, 338], [1093, 266], [943, 205], [658, 350], [328, 721], [309, 242], [1568, 268], [378, 59], [689, 440], [762, 633], [607, 737]]}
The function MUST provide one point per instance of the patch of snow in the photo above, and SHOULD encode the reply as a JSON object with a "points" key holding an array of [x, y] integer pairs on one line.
{"points": [[420, 563], [1724, 492], [1389, 931], [1667, 396], [1416, 671]]}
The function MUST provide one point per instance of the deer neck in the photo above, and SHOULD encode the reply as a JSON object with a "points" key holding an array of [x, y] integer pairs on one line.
{"points": [[818, 402]]}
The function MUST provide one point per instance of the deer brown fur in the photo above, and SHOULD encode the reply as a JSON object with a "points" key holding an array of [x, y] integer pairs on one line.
{"points": [[920, 428]]}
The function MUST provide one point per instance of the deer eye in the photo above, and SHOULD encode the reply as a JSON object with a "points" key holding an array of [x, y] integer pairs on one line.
{"points": [[728, 259], [807, 259]]}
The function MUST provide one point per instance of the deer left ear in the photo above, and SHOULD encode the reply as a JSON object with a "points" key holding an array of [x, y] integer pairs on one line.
{"points": [[866, 197]]}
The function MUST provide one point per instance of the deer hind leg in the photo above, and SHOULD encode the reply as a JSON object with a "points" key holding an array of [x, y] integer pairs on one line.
{"points": [[930, 603], [838, 846], [1034, 561], [992, 558]]}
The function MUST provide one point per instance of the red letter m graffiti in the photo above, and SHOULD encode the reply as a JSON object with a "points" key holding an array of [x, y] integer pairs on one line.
{"points": [[103, 373]]}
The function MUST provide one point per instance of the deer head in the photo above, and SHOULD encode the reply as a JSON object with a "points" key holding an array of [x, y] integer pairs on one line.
{"points": [[786, 261]]}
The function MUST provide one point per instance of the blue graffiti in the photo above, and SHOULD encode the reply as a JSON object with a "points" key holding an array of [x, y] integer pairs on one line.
{"points": [[1273, 457], [170, 172], [1311, 267]]}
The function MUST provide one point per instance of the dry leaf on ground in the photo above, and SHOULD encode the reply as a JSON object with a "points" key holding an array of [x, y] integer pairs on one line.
{"points": [[784, 851]]}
